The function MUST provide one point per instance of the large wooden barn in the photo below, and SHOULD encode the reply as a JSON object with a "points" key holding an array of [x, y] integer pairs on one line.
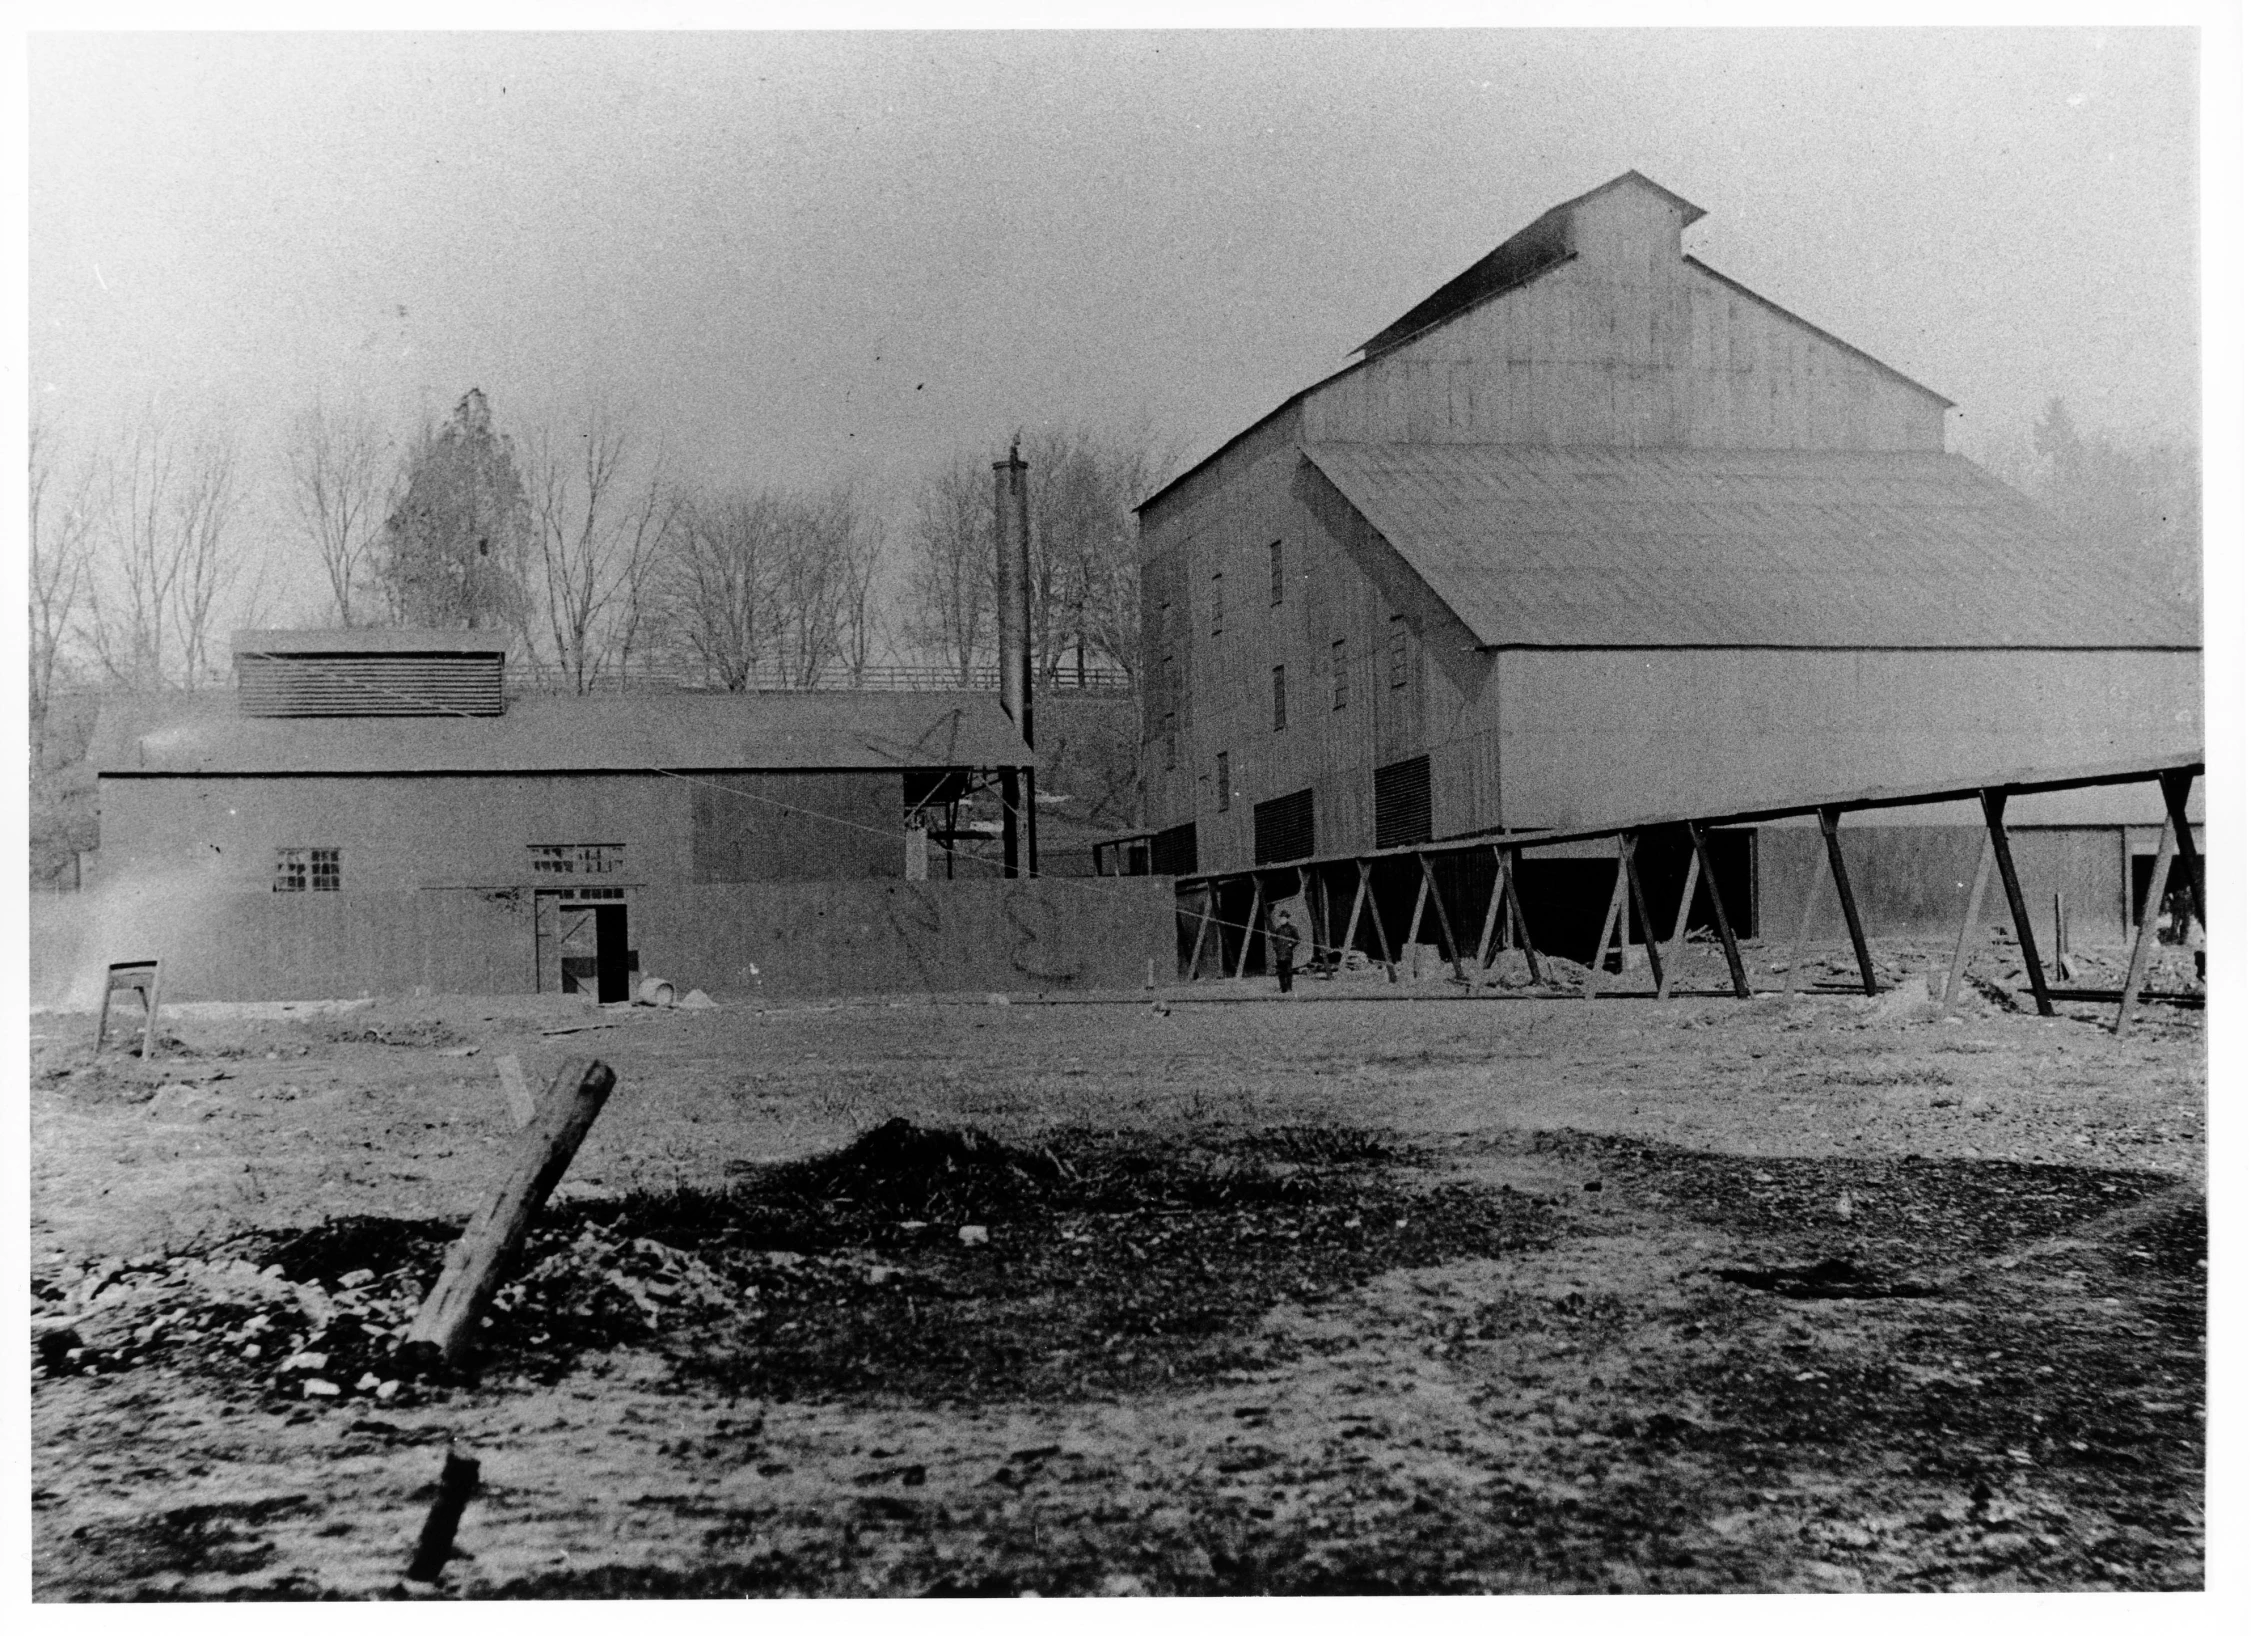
{"points": [[1595, 532]]}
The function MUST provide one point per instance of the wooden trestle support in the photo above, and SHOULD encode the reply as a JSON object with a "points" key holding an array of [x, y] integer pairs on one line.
{"points": [[1504, 926]]}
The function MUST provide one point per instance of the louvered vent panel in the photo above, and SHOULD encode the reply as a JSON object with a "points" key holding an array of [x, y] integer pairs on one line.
{"points": [[1403, 802], [1173, 851], [390, 684], [1283, 828]]}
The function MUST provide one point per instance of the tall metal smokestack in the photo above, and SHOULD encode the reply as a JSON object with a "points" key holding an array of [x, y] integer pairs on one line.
{"points": [[1012, 543]]}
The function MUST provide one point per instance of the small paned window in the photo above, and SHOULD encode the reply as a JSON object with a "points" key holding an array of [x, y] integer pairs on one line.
{"points": [[1338, 692], [1399, 666], [1225, 790], [1274, 572], [1281, 698], [308, 869], [580, 858]]}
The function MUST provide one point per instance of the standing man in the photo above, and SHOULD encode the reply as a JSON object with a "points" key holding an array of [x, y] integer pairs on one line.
{"points": [[1281, 938]]}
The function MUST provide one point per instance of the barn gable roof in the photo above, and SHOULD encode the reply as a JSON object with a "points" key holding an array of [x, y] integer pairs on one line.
{"points": [[1602, 547], [742, 732], [1519, 258]]}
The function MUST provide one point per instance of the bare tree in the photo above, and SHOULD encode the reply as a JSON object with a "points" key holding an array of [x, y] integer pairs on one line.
{"points": [[719, 583], [861, 614], [1086, 581], [164, 554], [60, 522], [949, 593], [338, 477], [597, 527]]}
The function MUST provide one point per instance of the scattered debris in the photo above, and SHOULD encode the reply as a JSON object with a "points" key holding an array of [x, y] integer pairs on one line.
{"points": [[697, 1000]]}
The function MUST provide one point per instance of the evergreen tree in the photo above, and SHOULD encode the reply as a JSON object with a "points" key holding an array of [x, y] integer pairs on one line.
{"points": [[456, 545]]}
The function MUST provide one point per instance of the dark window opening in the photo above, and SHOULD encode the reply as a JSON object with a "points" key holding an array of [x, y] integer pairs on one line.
{"points": [[1218, 603], [1400, 669], [1283, 828], [2177, 907], [1281, 698], [1172, 741], [1403, 802], [1274, 573], [1225, 791], [1173, 851], [1337, 685]]}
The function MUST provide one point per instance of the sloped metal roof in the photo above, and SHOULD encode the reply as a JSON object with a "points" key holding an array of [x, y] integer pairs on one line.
{"points": [[746, 732], [366, 639], [1602, 547]]}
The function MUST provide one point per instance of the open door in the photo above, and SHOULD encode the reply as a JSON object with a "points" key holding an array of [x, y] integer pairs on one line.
{"points": [[613, 976]]}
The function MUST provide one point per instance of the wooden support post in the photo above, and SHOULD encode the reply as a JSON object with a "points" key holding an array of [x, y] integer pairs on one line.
{"points": [[1523, 931], [1805, 924], [1352, 919], [1445, 920], [1203, 925], [1680, 923], [1375, 919], [2176, 786], [446, 1327], [1609, 919], [455, 1484], [1845, 899], [1493, 907], [1994, 802], [2145, 939], [1415, 920], [1970, 917], [1628, 846], [1251, 925], [1735, 973]]}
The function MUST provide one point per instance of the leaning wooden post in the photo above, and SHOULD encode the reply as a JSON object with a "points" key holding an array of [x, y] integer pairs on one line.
{"points": [[1251, 926], [1680, 923], [1203, 925], [1736, 976], [1969, 923], [2176, 785], [1445, 921], [1805, 925], [1493, 904], [1375, 919], [2153, 899], [477, 1264], [1994, 802], [1352, 917], [1631, 843], [455, 1484], [1845, 899], [1516, 914], [1609, 919]]}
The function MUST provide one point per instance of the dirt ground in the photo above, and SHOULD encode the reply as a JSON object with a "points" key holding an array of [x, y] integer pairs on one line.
{"points": [[1370, 1290]]}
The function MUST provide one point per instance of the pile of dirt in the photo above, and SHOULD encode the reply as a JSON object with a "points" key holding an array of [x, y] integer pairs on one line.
{"points": [[941, 1264]]}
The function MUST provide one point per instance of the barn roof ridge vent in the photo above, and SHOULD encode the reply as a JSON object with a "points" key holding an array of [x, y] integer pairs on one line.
{"points": [[370, 671], [1522, 256]]}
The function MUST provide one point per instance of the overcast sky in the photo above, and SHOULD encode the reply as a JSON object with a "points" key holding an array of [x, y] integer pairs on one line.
{"points": [[803, 257]]}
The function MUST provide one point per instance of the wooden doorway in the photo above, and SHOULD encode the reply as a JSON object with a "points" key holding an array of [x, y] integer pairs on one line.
{"points": [[583, 943]]}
